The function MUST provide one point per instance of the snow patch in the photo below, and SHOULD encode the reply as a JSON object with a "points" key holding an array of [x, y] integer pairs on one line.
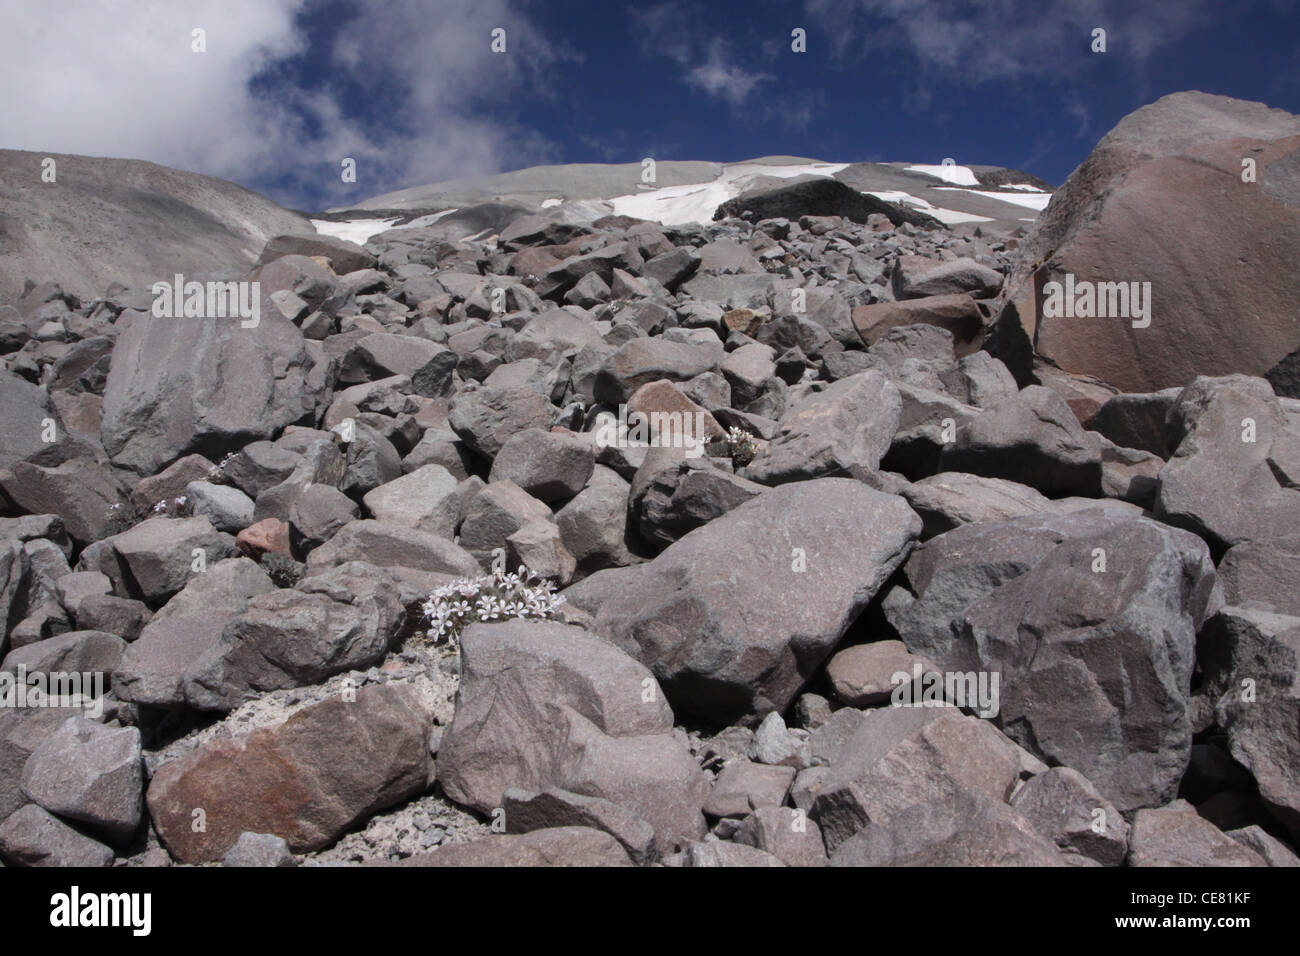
{"points": [[428, 220], [1036, 201], [353, 230], [696, 202], [957, 175], [548, 203], [947, 216]]}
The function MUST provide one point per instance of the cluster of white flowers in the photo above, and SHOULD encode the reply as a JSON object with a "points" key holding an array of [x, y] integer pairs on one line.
{"points": [[163, 507], [740, 445], [499, 596], [217, 473]]}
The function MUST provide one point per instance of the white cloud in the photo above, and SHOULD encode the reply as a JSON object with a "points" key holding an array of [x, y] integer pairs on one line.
{"points": [[709, 64], [718, 77], [121, 80], [1004, 39]]}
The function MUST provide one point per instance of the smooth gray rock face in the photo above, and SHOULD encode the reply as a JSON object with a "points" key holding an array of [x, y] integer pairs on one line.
{"points": [[1219, 482], [966, 829], [229, 509], [547, 705], [33, 837], [1176, 835], [1033, 439], [736, 616], [159, 554], [206, 385], [88, 772], [155, 668], [646, 360], [389, 545], [24, 408], [340, 620], [426, 499], [485, 417], [551, 466], [849, 424], [953, 498], [1095, 665]]}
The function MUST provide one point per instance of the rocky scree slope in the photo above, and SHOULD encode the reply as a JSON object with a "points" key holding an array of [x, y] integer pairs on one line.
{"points": [[240, 528]]}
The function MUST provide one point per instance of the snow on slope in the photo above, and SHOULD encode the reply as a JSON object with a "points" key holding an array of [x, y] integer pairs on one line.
{"points": [[676, 205], [957, 175], [353, 230], [947, 216], [1037, 201], [359, 230]]}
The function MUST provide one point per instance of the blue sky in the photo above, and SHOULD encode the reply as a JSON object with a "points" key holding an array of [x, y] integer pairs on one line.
{"points": [[412, 90]]}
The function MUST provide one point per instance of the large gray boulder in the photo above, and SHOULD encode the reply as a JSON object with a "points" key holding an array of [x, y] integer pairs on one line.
{"points": [[343, 619], [91, 773], [963, 829], [1033, 439], [1220, 481], [546, 705], [849, 424], [735, 617], [182, 385], [1089, 620]]}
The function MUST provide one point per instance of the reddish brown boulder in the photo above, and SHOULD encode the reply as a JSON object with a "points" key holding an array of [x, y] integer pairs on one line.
{"points": [[957, 313], [306, 780], [1164, 199]]}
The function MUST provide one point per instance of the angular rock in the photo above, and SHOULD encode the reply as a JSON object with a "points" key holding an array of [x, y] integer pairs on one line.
{"points": [[744, 786], [184, 385], [32, 837], [862, 675], [485, 417], [953, 498], [528, 812], [1033, 439], [1177, 835], [851, 423], [962, 829], [545, 705], [1169, 162], [554, 846], [548, 465], [785, 833], [306, 780], [88, 772], [228, 509], [1251, 659], [1095, 666], [388, 545], [426, 500], [729, 626], [259, 849], [159, 553], [1064, 806], [900, 756]]}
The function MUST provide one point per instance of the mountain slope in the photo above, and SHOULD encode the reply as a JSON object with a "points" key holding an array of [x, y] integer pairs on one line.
{"points": [[124, 220]]}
